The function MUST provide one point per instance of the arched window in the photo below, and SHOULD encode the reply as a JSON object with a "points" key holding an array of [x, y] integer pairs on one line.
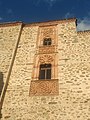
{"points": [[45, 71], [47, 41]]}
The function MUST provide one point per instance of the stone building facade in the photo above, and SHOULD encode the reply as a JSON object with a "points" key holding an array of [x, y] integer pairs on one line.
{"points": [[45, 71]]}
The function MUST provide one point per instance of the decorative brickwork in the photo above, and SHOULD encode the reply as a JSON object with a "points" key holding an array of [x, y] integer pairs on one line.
{"points": [[47, 32], [44, 87], [46, 54], [47, 49], [46, 59]]}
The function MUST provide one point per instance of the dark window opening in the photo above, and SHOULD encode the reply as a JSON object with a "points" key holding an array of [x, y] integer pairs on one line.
{"points": [[45, 71], [47, 41]]}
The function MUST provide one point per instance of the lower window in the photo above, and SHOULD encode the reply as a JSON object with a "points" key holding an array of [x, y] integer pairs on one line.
{"points": [[45, 71]]}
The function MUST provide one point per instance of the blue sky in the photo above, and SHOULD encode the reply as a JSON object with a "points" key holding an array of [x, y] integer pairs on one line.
{"points": [[44, 10]]}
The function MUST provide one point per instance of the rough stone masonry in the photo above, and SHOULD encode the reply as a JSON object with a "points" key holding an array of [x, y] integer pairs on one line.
{"points": [[64, 91]]}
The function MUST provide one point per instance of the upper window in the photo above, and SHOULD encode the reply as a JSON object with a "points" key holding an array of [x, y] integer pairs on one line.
{"points": [[47, 41], [45, 71]]}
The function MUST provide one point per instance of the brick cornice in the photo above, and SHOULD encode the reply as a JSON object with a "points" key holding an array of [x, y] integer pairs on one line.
{"points": [[84, 32], [46, 23], [10, 24], [52, 22]]}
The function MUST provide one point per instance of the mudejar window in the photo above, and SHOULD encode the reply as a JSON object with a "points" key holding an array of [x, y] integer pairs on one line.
{"points": [[45, 72]]}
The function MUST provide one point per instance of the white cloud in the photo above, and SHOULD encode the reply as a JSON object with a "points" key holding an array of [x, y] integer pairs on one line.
{"points": [[83, 24], [1, 18], [9, 11], [49, 2], [68, 15]]}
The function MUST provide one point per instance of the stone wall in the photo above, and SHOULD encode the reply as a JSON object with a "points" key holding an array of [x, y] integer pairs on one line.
{"points": [[9, 34], [19, 84], [74, 72], [9, 37], [73, 101]]}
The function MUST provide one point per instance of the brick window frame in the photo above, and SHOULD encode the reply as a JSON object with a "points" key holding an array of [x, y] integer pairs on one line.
{"points": [[46, 53]]}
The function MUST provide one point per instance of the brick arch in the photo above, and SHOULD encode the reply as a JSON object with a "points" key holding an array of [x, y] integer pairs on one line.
{"points": [[45, 59]]}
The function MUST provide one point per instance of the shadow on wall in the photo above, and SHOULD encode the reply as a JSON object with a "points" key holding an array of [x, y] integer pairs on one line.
{"points": [[1, 82], [1, 87]]}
